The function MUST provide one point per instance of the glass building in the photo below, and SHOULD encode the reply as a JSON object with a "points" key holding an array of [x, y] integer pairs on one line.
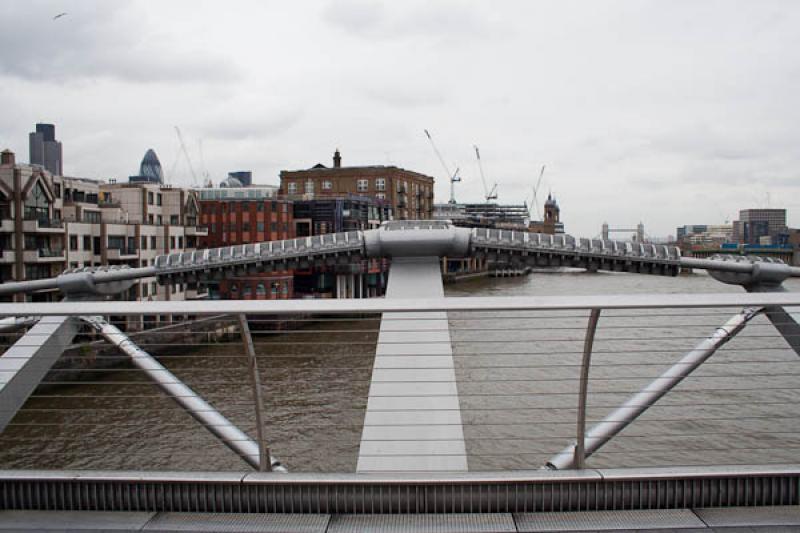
{"points": [[150, 170]]}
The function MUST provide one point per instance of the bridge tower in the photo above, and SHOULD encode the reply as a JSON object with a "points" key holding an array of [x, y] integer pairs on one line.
{"points": [[638, 231]]}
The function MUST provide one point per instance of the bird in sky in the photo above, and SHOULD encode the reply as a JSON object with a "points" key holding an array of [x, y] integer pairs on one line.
{"points": [[59, 16]]}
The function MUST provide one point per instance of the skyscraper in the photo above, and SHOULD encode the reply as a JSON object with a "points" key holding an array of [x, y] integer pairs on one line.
{"points": [[150, 169], [45, 150]]}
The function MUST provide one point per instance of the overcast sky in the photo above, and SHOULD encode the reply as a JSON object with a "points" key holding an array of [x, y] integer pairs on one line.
{"points": [[670, 113]]}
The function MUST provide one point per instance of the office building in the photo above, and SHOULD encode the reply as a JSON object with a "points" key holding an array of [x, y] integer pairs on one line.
{"points": [[45, 150], [149, 170], [408, 194], [760, 226]]}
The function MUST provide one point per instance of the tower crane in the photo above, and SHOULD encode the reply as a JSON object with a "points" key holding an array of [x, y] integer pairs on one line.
{"points": [[186, 155], [536, 191], [488, 194], [454, 177]]}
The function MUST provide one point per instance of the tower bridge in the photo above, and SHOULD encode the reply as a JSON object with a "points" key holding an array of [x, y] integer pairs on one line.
{"points": [[412, 455]]}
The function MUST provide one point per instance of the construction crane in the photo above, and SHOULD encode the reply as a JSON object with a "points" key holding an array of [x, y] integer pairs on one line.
{"points": [[535, 201], [204, 171], [489, 195], [186, 155], [454, 177]]}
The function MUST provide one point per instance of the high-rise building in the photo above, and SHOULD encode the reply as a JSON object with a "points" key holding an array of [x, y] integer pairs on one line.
{"points": [[149, 170], [45, 150], [755, 226]]}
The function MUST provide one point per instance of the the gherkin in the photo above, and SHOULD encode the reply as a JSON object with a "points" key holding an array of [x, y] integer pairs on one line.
{"points": [[150, 169]]}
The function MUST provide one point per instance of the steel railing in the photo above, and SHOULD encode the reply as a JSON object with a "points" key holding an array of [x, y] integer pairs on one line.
{"points": [[644, 379]]}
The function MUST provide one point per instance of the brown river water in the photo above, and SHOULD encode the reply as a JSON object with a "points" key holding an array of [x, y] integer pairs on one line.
{"points": [[517, 381]]}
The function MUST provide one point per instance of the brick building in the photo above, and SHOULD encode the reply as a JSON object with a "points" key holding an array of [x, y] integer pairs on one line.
{"points": [[408, 194], [244, 215]]}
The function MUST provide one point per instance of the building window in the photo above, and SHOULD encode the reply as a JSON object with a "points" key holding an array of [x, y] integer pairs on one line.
{"points": [[153, 242], [260, 226], [327, 185], [87, 243], [173, 219], [362, 185], [149, 198], [144, 242], [380, 184], [261, 289], [273, 227], [73, 242], [172, 243], [57, 190], [96, 245], [144, 290], [150, 219], [158, 199], [234, 288], [180, 243], [309, 187], [245, 226], [37, 206], [247, 291], [92, 217], [154, 288], [292, 188], [159, 220], [260, 207], [380, 196]]}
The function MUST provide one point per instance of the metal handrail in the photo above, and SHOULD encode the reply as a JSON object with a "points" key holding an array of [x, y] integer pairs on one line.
{"points": [[375, 305]]}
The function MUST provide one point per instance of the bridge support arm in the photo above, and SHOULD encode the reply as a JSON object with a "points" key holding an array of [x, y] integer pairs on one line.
{"points": [[637, 404], [197, 407], [27, 362]]}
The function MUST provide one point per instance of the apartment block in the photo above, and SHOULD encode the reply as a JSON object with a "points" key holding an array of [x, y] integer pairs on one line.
{"points": [[52, 223]]}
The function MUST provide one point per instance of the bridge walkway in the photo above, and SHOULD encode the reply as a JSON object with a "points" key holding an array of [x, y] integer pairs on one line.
{"points": [[773, 519]]}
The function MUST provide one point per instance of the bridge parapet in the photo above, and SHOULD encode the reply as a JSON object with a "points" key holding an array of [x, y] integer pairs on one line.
{"points": [[535, 249]]}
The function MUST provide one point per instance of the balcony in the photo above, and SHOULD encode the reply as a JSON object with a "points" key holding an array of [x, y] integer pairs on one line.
{"points": [[43, 225], [46, 254], [198, 231], [122, 253]]}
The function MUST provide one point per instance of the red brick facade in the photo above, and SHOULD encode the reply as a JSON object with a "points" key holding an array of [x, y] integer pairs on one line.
{"points": [[236, 221], [409, 194]]}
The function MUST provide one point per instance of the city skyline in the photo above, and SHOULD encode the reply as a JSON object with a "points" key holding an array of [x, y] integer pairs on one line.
{"points": [[670, 114]]}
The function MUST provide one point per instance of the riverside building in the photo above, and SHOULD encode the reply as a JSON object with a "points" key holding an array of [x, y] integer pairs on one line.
{"points": [[51, 223], [408, 194]]}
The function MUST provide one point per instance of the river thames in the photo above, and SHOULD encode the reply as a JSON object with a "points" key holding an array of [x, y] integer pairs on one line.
{"points": [[517, 379]]}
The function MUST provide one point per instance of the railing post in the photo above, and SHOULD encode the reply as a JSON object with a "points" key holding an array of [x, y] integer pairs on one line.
{"points": [[580, 455], [264, 457]]}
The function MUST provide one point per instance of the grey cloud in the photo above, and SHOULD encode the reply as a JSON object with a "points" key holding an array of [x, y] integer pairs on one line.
{"points": [[402, 20], [403, 95], [97, 39], [247, 121]]}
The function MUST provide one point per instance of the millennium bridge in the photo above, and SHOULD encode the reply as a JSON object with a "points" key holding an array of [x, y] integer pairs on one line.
{"points": [[571, 424]]}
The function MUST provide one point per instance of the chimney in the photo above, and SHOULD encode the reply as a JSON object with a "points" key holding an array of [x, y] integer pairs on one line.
{"points": [[7, 158], [337, 159]]}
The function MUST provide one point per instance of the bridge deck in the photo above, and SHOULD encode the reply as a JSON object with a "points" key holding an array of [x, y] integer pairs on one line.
{"points": [[785, 518], [413, 419]]}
